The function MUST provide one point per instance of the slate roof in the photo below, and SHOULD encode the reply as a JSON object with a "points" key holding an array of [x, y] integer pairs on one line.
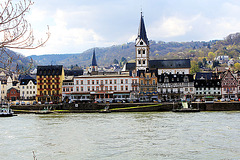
{"points": [[175, 78], [205, 75], [163, 64], [207, 83], [142, 31], [94, 61], [49, 70], [26, 81], [171, 63], [73, 72]]}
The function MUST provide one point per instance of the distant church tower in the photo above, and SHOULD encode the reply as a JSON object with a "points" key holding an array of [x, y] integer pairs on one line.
{"points": [[94, 66], [142, 47]]}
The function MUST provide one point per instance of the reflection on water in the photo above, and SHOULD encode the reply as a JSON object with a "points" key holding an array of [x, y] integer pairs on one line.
{"points": [[154, 135]]}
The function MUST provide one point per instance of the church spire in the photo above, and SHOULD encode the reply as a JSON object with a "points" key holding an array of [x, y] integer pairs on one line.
{"points": [[142, 31], [94, 61]]}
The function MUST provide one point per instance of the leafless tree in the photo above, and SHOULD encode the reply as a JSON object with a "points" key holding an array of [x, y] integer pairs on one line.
{"points": [[15, 31]]}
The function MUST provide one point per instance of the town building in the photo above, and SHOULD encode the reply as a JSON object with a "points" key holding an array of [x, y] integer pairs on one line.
{"points": [[101, 87], [49, 83], [28, 88], [148, 85], [173, 87], [13, 94], [229, 85]]}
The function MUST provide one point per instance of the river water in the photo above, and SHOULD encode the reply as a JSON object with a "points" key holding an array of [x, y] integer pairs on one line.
{"points": [[114, 136]]}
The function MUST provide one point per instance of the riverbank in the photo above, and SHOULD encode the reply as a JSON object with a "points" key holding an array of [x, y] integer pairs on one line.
{"points": [[125, 107]]}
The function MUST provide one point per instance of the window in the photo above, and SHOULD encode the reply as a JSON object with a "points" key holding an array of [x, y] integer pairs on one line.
{"points": [[115, 81], [126, 81], [154, 82], [97, 81], [126, 88], [121, 88], [139, 52], [115, 88], [106, 88], [97, 88], [121, 81], [77, 81], [88, 88], [92, 88], [110, 81], [143, 61], [106, 81], [141, 82], [101, 81], [81, 81], [88, 82], [77, 89], [141, 43], [110, 88], [143, 52], [92, 81], [139, 62]]}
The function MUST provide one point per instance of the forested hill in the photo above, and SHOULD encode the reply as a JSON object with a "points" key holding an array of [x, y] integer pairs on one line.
{"points": [[106, 56]]}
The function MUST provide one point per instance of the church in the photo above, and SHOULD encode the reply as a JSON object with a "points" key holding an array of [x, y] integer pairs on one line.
{"points": [[143, 62]]}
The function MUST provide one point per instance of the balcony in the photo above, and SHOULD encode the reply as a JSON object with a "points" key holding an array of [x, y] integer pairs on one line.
{"points": [[49, 89], [40, 83], [49, 83], [40, 89], [57, 78], [57, 88], [40, 79], [48, 78], [57, 83]]}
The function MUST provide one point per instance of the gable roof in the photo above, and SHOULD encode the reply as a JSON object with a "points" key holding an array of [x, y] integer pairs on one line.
{"points": [[163, 64]]}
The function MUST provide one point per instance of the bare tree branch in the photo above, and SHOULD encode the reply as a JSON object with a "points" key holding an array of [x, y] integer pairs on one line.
{"points": [[15, 31]]}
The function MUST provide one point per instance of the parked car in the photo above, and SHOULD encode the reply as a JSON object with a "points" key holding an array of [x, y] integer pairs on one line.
{"points": [[222, 100], [215, 100], [228, 100], [22, 103], [34, 102], [17, 103], [198, 100], [28, 103]]}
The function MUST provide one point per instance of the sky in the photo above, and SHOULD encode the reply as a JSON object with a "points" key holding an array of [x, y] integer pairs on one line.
{"points": [[78, 25]]}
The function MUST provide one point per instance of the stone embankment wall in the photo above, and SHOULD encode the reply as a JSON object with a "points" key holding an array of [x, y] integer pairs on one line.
{"points": [[94, 107]]}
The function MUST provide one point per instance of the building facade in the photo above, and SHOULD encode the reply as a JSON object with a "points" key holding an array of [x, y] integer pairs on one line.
{"points": [[28, 88], [49, 83]]}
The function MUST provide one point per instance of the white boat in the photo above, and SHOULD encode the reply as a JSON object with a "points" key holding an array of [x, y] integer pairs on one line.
{"points": [[5, 111], [186, 108]]}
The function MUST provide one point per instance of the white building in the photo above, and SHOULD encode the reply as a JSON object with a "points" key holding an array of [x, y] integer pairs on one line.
{"points": [[104, 87], [28, 88]]}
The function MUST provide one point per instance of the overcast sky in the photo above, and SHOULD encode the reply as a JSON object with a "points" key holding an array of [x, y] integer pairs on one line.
{"points": [[78, 25]]}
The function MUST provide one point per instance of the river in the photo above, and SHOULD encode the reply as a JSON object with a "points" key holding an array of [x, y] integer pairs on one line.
{"points": [[121, 136]]}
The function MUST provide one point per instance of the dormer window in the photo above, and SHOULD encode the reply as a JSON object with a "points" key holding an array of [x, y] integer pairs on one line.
{"points": [[141, 43]]}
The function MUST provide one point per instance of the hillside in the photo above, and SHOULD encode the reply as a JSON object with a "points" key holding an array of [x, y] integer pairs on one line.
{"points": [[105, 56], [10, 60]]}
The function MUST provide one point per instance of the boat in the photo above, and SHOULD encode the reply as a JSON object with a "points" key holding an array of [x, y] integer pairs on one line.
{"points": [[185, 107], [46, 110], [5, 111]]}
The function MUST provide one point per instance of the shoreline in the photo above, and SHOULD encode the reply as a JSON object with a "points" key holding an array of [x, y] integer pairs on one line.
{"points": [[125, 107]]}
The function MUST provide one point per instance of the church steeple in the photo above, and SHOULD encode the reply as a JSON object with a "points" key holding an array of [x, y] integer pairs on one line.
{"points": [[94, 61], [142, 31], [142, 47]]}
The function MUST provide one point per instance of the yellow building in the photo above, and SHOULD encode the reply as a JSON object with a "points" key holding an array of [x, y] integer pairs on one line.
{"points": [[148, 85], [49, 83]]}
